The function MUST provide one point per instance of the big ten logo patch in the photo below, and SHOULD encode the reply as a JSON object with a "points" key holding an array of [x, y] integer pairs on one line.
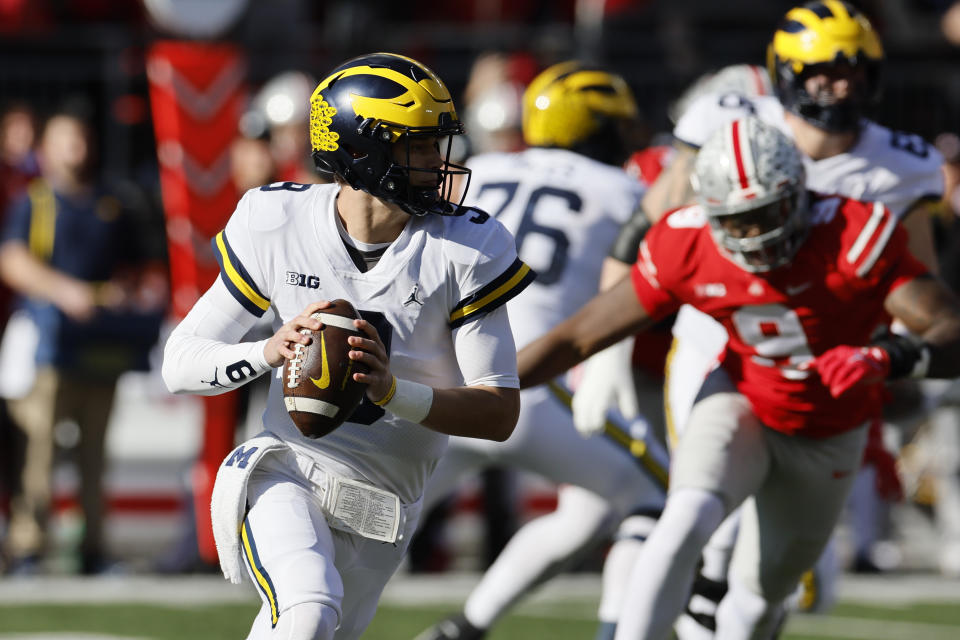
{"points": [[302, 280]]}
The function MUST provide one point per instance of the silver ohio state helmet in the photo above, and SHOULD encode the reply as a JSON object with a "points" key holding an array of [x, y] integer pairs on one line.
{"points": [[747, 80], [750, 180]]}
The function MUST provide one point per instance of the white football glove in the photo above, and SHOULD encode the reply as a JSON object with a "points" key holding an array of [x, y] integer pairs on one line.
{"points": [[607, 381]]}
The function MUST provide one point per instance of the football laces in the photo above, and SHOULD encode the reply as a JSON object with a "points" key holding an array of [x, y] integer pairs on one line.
{"points": [[296, 363]]}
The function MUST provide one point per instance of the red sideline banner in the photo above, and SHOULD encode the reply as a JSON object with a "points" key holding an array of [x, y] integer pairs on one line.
{"points": [[197, 93]]}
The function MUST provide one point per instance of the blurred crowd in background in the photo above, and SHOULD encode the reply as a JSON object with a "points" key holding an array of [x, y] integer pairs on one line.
{"points": [[78, 128]]}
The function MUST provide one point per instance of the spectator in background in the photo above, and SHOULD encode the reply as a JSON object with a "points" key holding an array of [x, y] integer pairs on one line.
{"points": [[69, 251], [18, 165], [283, 103], [492, 101], [251, 162], [950, 24], [18, 162]]}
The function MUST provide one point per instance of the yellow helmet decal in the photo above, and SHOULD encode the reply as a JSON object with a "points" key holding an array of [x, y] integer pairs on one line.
{"points": [[321, 117], [419, 106], [818, 32], [562, 104]]}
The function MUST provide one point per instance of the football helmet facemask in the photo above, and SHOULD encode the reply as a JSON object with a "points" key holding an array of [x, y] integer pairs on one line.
{"points": [[750, 180], [363, 117], [583, 109], [831, 36]]}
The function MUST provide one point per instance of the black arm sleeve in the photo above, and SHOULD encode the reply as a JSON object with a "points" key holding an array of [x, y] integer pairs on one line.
{"points": [[904, 353], [627, 244]]}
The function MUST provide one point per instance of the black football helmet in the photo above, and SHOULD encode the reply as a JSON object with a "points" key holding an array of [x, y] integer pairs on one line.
{"points": [[369, 105]]}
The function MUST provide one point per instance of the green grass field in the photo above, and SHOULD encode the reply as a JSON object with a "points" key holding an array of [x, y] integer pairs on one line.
{"points": [[554, 621]]}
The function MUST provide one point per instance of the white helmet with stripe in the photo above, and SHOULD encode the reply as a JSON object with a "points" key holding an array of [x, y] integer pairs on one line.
{"points": [[750, 180], [748, 80]]}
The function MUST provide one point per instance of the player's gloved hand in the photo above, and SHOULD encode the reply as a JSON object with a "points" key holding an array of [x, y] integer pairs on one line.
{"points": [[887, 480], [844, 367], [607, 381]]}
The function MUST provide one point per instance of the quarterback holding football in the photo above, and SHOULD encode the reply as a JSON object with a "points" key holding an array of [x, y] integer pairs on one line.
{"points": [[320, 517]]}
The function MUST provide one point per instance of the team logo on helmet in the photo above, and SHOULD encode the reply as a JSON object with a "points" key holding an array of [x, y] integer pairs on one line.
{"points": [[321, 117], [576, 107], [821, 35]]}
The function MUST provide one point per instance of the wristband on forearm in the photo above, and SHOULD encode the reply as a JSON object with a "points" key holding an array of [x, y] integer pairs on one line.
{"points": [[407, 400], [909, 357]]}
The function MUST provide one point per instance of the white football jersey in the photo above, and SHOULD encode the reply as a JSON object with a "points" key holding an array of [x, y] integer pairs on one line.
{"points": [[282, 249], [565, 211], [889, 166]]}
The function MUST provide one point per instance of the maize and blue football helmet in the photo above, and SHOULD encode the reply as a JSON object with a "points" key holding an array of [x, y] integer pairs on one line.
{"points": [[819, 36], [577, 107], [370, 104]]}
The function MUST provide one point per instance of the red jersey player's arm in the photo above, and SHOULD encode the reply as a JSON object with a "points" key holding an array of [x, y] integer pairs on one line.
{"points": [[930, 310], [670, 190], [606, 319], [919, 226]]}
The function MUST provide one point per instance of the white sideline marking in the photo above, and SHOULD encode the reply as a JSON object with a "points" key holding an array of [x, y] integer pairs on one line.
{"points": [[868, 629], [180, 591]]}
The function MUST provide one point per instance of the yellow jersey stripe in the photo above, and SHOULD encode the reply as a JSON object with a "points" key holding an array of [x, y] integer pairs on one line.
{"points": [[263, 580], [514, 284], [233, 275], [637, 448]]}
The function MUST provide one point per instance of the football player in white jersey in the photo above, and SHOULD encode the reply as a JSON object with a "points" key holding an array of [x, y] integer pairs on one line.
{"points": [[824, 60], [564, 198], [430, 278]]}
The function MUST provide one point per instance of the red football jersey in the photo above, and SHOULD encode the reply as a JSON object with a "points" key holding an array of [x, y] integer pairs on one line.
{"points": [[831, 294], [646, 165], [651, 347]]}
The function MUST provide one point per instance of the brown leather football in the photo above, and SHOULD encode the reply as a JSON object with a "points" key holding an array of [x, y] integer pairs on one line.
{"points": [[318, 386]]}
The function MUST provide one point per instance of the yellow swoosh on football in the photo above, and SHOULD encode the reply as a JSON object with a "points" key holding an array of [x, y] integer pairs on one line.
{"points": [[324, 380]]}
